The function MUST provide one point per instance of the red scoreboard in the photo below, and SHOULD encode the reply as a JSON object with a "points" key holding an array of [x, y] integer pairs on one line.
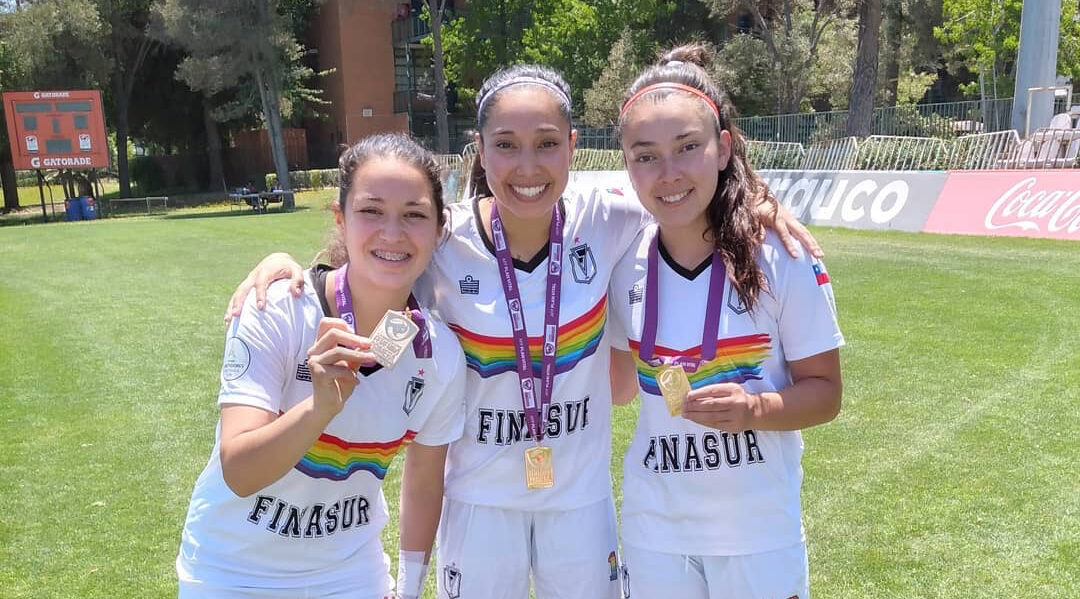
{"points": [[58, 129]]}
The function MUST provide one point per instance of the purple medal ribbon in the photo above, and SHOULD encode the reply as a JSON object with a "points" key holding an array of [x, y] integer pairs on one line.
{"points": [[508, 278], [421, 342], [709, 334]]}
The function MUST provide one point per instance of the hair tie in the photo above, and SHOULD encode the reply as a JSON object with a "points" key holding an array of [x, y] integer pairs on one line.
{"points": [[523, 80], [674, 87]]}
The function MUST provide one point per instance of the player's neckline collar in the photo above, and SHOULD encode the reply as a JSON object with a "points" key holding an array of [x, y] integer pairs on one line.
{"points": [[679, 269], [533, 262]]}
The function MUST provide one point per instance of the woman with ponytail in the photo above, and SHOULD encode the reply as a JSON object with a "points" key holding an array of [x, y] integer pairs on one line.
{"points": [[735, 347]]}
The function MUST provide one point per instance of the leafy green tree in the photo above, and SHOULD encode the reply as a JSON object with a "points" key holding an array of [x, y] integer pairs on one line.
{"points": [[568, 35], [792, 34], [248, 50], [985, 35]]}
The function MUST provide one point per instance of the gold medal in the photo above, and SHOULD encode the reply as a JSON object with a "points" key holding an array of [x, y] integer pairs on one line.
{"points": [[539, 471], [391, 337], [673, 386]]}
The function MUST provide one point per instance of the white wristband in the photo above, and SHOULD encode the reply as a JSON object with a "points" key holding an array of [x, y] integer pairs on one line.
{"points": [[411, 574]]}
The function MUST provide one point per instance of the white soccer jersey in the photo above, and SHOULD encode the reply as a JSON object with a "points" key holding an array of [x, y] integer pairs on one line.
{"points": [[320, 523], [486, 467], [690, 489]]}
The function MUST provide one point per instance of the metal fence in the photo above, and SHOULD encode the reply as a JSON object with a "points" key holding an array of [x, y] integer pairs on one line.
{"points": [[946, 120], [831, 154], [774, 154]]}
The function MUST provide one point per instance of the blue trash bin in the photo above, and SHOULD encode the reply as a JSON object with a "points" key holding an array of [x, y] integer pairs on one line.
{"points": [[88, 207], [73, 209]]}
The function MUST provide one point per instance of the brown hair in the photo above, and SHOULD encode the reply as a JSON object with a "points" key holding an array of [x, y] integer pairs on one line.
{"points": [[732, 223], [493, 86], [386, 145]]}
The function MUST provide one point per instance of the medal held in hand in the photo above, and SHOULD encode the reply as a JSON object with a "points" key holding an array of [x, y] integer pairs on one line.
{"points": [[674, 385], [671, 377], [395, 331], [539, 473], [391, 337]]}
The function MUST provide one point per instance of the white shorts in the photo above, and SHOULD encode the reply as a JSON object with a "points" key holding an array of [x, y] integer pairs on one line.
{"points": [[489, 553], [382, 587], [779, 574], [198, 590]]}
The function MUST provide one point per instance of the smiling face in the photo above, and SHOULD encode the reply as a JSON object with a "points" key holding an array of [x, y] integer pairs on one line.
{"points": [[525, 148], [674, 158], [389, 224]]}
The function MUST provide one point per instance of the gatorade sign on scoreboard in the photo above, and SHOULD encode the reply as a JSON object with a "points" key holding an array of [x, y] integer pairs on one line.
{"points": [[58, 129]]}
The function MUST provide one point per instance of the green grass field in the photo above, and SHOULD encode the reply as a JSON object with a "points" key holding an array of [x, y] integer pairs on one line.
{"points": [[952, 471]]}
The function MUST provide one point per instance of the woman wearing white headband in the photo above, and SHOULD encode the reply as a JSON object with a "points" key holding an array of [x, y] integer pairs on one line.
{"points": [[523, 280]]}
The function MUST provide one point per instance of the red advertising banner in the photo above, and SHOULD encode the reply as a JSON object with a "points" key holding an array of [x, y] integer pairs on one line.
{"points": [[56, 129], [1009, 203]]}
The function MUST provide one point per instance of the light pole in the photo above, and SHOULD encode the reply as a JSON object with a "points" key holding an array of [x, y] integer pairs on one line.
{"points": [[1036, 63]]}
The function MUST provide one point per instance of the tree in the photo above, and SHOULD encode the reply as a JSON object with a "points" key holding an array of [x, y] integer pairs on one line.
{"points": [[861, 106], [567, 35], [792, 34], [246, 47], [128, 45], [436, 13], [604, 99], [985, 35]]}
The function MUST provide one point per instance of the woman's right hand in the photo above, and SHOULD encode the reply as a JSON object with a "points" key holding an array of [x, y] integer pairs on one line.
{"points": [[333, 360], [273, 267]]}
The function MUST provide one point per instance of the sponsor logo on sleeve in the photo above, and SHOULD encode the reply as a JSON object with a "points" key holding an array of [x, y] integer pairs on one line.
{"points": [[237, 359]]}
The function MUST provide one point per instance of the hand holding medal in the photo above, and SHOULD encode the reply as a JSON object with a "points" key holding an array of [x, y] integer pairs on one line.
{"points": [[333, 360], [724, 406]]}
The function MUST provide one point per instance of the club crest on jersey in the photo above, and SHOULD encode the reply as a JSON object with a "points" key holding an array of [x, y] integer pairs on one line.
{"points": [[469, 285], [636, 293], [734, 301], [452, 582], [414, 390], [582, 263]]}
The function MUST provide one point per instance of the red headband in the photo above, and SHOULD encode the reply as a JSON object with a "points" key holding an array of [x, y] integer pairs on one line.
{"points": [[672, 86]]}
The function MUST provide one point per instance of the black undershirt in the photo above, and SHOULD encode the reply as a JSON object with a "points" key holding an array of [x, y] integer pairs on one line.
{"points": [[689, 275], [533, 262]]}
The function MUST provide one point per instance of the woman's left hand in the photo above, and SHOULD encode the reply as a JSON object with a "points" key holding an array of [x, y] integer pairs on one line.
{"points": [[724, 406]]}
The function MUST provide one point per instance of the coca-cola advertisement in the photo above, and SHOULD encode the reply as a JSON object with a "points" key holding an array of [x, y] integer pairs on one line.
{"points": [[1010, 203]]}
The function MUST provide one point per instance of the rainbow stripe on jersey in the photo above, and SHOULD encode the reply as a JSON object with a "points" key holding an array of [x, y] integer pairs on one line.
{"points": [[737, 358], [578, 339], [337, 459]]}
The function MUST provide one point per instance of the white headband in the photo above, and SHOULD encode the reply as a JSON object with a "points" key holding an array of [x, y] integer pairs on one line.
{"points": [[523, 80]]}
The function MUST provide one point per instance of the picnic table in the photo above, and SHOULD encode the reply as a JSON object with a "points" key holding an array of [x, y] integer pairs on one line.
{"points": [[259, 201]]}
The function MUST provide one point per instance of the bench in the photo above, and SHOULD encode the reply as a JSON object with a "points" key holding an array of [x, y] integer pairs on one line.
{"points": [[257, 201]]}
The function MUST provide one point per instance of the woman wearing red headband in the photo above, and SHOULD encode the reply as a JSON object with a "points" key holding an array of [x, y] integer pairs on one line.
{"points": [[734, 343]]}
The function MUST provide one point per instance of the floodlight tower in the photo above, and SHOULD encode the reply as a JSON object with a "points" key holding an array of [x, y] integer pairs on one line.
{"points": [[1036, 63]]}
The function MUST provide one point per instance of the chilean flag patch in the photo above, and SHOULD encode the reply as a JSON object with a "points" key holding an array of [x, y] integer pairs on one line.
{"points": [[615, 191], [819, 272]]}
